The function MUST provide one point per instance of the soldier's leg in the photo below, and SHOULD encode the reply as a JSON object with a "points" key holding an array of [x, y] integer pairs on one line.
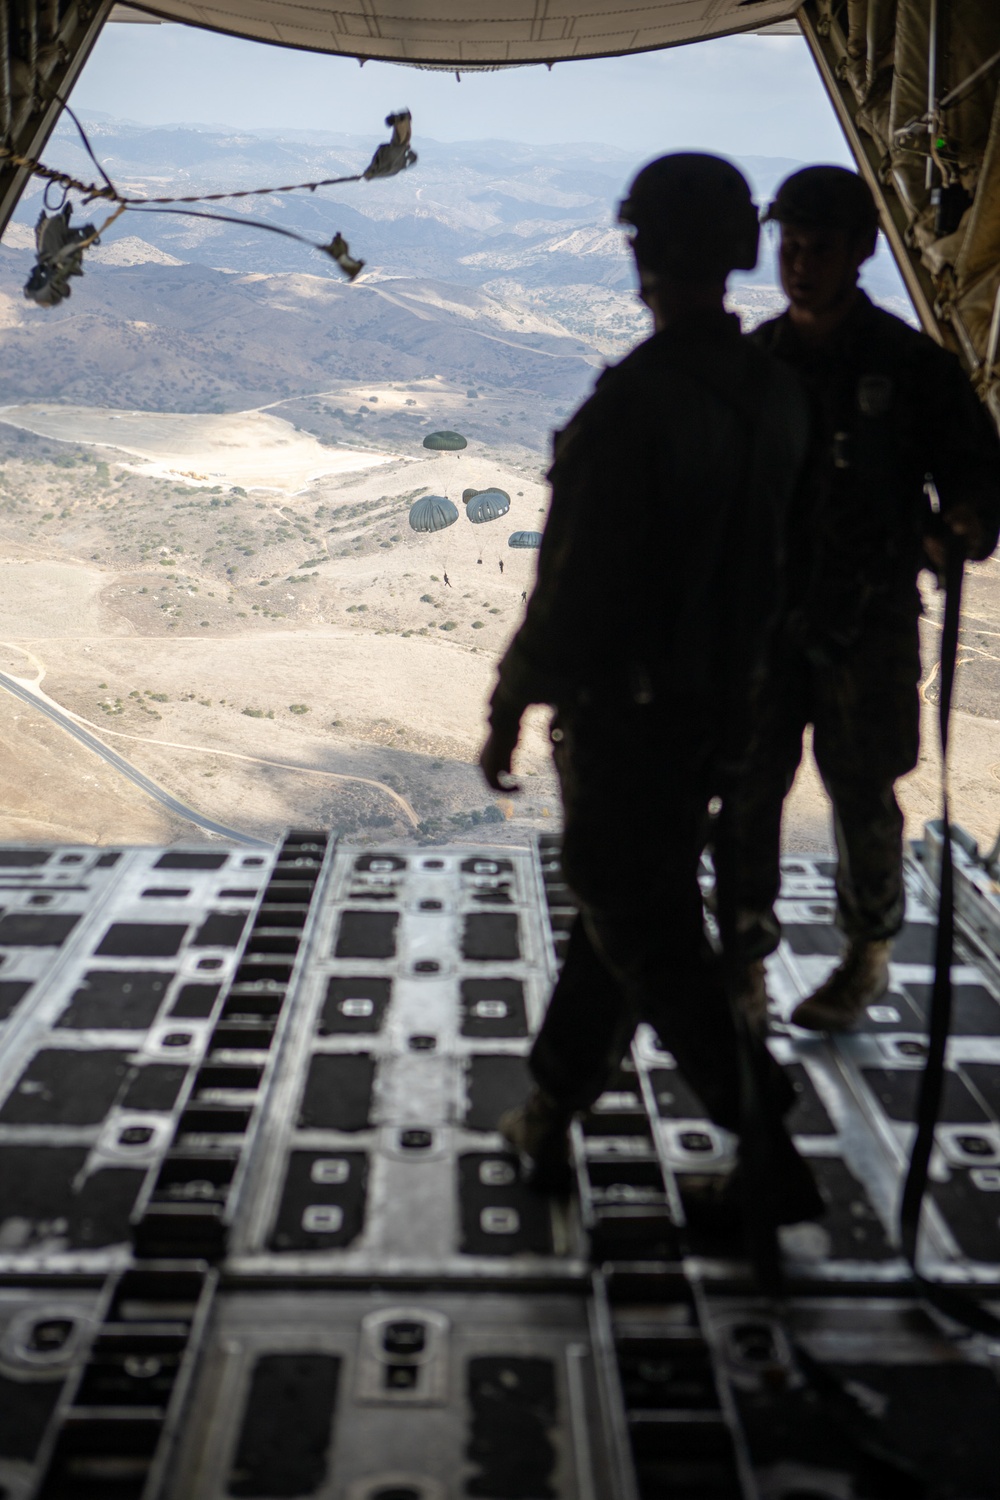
{"points": [[587, 1027], [866, 736], [645, 922], [659, 953], [637, 951], [640, 951], [747, 834], [590, 1016]]}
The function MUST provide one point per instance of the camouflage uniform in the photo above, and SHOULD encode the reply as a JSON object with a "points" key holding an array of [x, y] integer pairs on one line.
{"points": [[656, 574], [890, 408]]}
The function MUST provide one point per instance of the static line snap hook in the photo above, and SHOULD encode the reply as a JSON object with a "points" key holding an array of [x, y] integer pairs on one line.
{"points": [[53, 207]]}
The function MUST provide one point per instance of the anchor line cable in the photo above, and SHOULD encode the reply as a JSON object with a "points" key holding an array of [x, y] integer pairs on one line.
{"points": [[85, 139], [152, 207], [91, 191], [389, 159]]}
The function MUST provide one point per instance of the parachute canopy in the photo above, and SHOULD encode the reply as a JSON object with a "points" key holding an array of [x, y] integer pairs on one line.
{"points": [[530, 540], [492, 490], [488, 505], [432, 513], [445, 442]]}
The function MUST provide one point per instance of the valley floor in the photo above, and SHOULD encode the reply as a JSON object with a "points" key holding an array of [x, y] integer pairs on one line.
{"points": [[273, 656]]}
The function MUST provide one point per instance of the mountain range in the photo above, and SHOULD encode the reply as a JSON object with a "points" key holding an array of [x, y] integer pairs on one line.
{"points": [[489, 263]]}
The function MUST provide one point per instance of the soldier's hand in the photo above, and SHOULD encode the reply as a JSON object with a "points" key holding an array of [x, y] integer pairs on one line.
{"points": [[497, 755], [962, 521]]}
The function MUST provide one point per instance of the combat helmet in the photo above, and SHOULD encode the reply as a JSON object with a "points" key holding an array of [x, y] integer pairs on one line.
{"points": [[825, 198], [693, 216]]}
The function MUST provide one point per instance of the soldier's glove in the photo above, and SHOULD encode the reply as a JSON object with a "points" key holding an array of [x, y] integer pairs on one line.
{"points": [[960, 523], [60, 255], [965, 522], [395, 156]]}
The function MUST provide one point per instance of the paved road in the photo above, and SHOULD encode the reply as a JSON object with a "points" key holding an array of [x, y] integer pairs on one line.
{"points": [[125, 767]]}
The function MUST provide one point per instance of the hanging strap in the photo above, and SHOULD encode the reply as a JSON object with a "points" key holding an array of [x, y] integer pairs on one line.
{"points": [[956, 1304]]}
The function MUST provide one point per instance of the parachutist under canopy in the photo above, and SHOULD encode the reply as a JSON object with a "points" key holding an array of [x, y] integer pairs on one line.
{"points": [[487, 505], [445, 442], [432, 513]]}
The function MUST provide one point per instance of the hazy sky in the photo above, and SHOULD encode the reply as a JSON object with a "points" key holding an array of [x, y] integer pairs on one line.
{"points": [[744, 96]]}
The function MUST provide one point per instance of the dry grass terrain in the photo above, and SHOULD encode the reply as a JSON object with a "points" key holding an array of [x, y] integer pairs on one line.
{"points": [[57, 791], [272, 655], [207, 459]]}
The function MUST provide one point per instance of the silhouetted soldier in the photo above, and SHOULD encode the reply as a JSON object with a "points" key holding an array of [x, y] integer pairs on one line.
{"points": [[447, 581], [501, 564], [706, 437], [891, 411]]}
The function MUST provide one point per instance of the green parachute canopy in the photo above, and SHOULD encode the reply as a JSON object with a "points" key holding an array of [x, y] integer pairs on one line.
{"points": [[494, 489], [488, 505], [531, 540], [432, 513], [445, 442]]}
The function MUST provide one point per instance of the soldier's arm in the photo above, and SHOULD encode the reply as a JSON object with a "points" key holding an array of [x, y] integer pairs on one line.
{"points": [[964, 456]]}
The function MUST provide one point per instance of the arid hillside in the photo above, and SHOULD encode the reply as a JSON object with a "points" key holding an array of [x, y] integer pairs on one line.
{"points": [[189, 338], [281, 652], [271, 654], [208, 455]]}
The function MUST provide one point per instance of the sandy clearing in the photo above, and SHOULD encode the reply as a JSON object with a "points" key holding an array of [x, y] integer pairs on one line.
{"points": [[56, 791], [373, 686], [253, 449], [341, 650], [48, 598], [379, 786]]}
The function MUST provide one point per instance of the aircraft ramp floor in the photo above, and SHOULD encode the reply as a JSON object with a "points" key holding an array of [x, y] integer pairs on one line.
{"points": [[259, 1236]]}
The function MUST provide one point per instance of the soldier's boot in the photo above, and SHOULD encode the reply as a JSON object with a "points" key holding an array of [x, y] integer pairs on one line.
{"points": [[538, 1130], [750, 995], [861, 979], [719, 1204]]}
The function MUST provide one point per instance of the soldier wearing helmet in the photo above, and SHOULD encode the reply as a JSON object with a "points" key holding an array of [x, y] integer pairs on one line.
{"points": [[657, 574], [894, 418]]}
